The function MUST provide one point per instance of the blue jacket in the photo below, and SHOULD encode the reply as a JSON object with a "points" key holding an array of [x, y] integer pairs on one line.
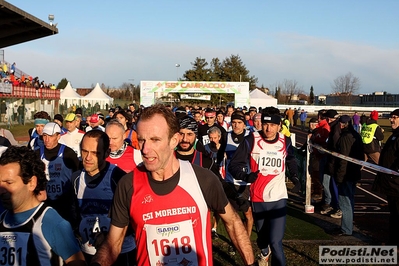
{"points": [[303, 116]]}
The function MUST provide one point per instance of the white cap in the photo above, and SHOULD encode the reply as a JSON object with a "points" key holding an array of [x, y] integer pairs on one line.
{"points": [[51, 128]]}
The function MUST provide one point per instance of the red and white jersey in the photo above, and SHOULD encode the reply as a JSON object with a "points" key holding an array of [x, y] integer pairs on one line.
{"points": [[225, 125], [269, 159], [172, 229], [128, 160]]}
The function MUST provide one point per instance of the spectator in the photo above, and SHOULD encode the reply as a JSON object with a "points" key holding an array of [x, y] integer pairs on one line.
{"points": [[372, 134], [12, 70], [296, 115], [21, 114], [8, 135], [329, 185], [314, 162], [290, 116], [356, 122], [389, 184], [346, 173], [3, 111], [14, 113], [303, 117]]}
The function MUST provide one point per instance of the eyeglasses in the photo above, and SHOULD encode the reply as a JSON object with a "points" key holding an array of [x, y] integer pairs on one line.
{"points": [[394, 117]]}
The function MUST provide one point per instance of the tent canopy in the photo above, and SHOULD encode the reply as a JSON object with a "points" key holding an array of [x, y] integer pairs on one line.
{"points": [[69, 96], [69, 93], [98, 96], [258, 99]]}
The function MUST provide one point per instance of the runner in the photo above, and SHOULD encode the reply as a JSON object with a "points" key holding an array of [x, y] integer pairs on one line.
{"points": [[267, 152], [94, 189], [121, 154], [39, 235], [168, 195]]}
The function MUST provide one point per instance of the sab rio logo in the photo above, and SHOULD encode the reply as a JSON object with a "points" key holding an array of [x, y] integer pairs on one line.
{"points": [[168, 230], [9, 238]]}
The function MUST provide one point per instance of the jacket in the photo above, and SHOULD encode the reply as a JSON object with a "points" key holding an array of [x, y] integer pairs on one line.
{"points": [[374, 145], [349, 144], [334, 135], [389, 158]]}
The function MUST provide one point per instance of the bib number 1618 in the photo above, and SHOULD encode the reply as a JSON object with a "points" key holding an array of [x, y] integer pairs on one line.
{"points": [[164, 246]]}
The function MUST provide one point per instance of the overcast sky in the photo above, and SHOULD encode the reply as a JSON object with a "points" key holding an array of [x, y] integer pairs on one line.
{"points": [[312, 42]]}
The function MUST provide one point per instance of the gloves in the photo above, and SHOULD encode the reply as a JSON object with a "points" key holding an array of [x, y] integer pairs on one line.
{"points": [[297, 184], [243, 204], [99, 239], [251, 177]]}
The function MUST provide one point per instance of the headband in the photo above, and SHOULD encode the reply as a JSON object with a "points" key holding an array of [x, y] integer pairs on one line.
{"points": [[210, 114], [274, 119], [40, 121]]}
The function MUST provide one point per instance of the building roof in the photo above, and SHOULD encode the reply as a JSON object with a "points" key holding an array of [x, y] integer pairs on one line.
{"points": [[18, 26]]}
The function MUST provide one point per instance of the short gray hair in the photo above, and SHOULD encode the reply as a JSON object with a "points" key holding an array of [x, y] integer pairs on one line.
{"points": [[215, 129]]}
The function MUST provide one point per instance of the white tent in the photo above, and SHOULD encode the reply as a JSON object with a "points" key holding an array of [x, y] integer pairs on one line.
{"points": [[98, 96], [258, 99], [69, 96]]}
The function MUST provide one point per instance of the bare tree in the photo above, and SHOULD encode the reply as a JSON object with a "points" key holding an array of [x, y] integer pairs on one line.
{"points": [[291, 88], [347, 84], [345, 87]]}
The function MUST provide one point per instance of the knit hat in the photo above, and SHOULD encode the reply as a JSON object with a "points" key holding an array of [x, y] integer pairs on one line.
{"points": [[395, 112], [59, 118], [273, 119], [344, 119], [374, 115], [331, 113], [253, 108], [189, 123], [238, 116]]}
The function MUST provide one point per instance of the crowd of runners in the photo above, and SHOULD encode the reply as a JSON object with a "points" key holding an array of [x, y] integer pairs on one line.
{"points": [[148, 186]]}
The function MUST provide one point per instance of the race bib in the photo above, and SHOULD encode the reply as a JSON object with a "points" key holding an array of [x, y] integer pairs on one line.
{"points": [[205, 140], [269, 162], [54, 188], [88, 229], [171, 244], [13, 248]]}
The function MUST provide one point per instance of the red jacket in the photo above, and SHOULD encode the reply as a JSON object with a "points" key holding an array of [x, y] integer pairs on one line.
{"points": [[320, 135]]}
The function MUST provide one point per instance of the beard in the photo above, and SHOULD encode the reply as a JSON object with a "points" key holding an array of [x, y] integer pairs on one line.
{"points": [[186, 146]]}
